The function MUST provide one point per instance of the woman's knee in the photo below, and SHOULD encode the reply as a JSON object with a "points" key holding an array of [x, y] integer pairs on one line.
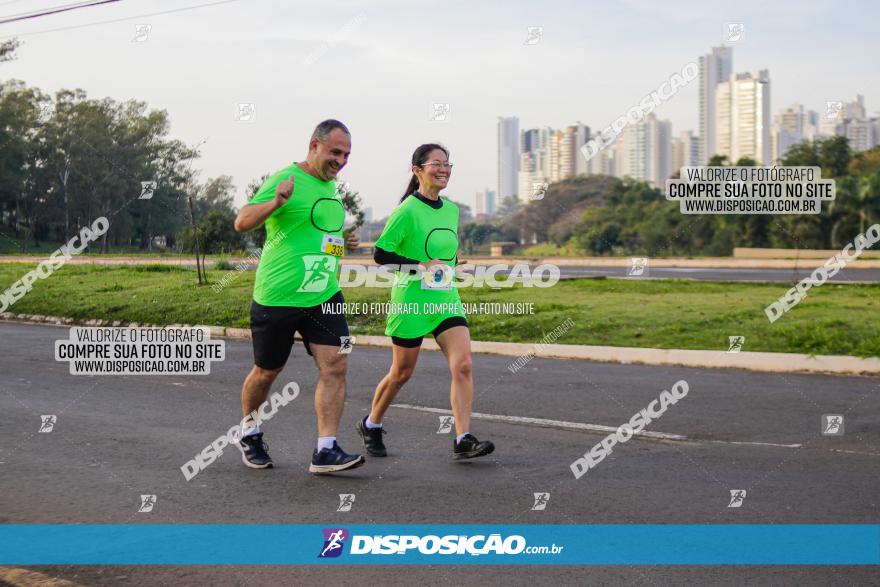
{"points": [[461, 367], [400, 375]]}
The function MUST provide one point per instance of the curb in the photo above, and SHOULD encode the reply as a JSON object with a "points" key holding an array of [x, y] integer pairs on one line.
{"points": [[751, 361]]}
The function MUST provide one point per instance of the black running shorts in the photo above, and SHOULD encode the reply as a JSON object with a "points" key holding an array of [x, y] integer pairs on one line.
{"points": [[273, 328], [411, 343]]}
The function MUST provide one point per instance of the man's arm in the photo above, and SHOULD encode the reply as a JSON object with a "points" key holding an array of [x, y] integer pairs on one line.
{"points": [[253, 215]]}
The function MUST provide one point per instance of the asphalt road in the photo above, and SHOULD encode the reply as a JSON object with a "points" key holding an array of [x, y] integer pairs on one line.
{"points": [[117, 437]]}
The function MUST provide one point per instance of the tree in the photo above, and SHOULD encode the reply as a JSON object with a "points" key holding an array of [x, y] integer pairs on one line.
{"points": [[7, 49], [258, 235], [508, 206], [216, 234]]}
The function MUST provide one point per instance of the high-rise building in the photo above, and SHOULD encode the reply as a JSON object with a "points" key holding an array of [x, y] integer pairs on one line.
{"points": [[602, 163], [715, 68], [685, 151], [571, 161], [485, 204], [537, 158], [789, 128], [530, 173], [508, 156], [646, 151], [863, 133], [742, 117], [860, 134], [555, 149]]}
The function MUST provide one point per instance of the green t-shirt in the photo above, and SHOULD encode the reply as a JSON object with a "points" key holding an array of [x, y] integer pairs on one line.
{"points": [[294, 270], [420, 232]]}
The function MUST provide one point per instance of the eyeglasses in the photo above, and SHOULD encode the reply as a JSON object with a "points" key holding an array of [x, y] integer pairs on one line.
{"points": [[438, 164]]}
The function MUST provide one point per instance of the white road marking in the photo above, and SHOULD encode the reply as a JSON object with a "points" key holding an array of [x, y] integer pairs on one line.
{"points": [[563, 425]]}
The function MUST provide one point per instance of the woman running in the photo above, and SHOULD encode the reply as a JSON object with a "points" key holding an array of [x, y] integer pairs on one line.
{"points": [[423, 231]]}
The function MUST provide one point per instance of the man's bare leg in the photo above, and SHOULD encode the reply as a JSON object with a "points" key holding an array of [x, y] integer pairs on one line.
{"points": [[256, 389], [329, 402], [330, 391], [254, 392]]}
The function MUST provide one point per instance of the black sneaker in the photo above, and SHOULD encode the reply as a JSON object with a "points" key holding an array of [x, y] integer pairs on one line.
{"points": [[253, 451], [470, 447], [372, 439], [333, 460]]}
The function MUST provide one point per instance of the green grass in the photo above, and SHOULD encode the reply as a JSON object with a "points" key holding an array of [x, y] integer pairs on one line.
{"points": [[831, 320]]}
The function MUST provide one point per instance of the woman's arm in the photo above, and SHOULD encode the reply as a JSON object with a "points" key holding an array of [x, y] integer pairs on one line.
{"points": [[383, 257]]}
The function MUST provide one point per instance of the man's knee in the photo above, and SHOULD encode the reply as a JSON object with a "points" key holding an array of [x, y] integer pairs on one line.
{"points": [[334, 368], [265, 376]]}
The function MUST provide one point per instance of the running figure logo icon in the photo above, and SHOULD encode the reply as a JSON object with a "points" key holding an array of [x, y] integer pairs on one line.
{"points": [[541, 500], [638, 267], [735, 32], [833, 110], [47, 423], [737, 497], [439, 112], [147, 503], [334, 541], [246, 112], [141, 32], [534, 34], [346, 500], [147, 189], [46, 111], [318, 268], [832, 424], [446, 424], [736, 343], [346, 343], [539, 190]]}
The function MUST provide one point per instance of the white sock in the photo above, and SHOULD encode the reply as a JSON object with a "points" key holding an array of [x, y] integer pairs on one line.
{"points": [[250, 431], [326, 442], [370, 424], [460, 436]]}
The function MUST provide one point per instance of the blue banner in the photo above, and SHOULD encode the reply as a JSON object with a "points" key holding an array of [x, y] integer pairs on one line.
{"points": [[624, 544]]}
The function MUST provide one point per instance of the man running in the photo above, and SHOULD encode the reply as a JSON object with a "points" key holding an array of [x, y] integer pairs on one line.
{"points": [[304, 217]]}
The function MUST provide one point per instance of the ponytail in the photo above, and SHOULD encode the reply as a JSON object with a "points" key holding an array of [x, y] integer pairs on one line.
{"points": [[411, 188], [420, 156]]}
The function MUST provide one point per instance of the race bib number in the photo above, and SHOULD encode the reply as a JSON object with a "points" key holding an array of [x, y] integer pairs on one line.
{"points": [[333, 245], [438, 277]]}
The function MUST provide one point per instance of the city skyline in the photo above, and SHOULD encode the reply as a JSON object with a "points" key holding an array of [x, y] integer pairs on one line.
{"points": [[362, 65]]}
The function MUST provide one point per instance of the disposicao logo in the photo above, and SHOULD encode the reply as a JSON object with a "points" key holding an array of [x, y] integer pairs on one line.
{"points": [[334, 541]]}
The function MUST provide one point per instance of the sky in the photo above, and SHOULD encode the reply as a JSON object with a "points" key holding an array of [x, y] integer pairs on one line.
{"points": [[380, 66]]}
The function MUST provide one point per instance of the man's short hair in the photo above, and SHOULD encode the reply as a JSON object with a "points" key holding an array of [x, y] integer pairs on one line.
{"points": [[324, 128]]}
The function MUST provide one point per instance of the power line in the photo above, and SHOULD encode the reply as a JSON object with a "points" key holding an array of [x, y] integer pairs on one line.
{"points": [[56, 10], [46, 9], [79, 26]]}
